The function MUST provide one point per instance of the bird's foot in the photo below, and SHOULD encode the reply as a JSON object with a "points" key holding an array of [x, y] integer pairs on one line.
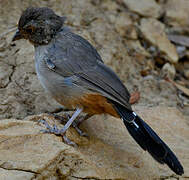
{"points": [[79, 131], [60, 118], [75, 124], [59, 132]]}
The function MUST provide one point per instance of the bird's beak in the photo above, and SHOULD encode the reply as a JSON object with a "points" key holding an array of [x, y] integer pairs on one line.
{"points": [[17, 36]]}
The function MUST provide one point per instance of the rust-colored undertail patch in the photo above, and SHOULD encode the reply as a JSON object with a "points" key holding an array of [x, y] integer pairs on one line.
{"points": [[96, 104]]}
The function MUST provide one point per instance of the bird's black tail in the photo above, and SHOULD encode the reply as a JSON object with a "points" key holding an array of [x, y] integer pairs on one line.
{"points": [[148, 139]]}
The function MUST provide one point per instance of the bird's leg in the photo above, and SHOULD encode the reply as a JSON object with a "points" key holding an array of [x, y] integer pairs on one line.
{"points": [[69, 123], [76, 123], [56, 131], [79, 121]]}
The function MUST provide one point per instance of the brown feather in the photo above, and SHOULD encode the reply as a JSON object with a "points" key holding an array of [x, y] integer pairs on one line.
{"points": [[96, 104]]}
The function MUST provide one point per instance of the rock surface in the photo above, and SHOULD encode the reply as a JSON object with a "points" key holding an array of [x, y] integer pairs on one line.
{"points": [[177, 13], [124, 26], [147, 8], [108, 153], [154, 32], [186, 73], [15, 174], [168, 70]]}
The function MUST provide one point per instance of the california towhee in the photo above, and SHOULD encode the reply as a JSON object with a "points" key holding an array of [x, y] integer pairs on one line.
{"points": [[72, 71]]}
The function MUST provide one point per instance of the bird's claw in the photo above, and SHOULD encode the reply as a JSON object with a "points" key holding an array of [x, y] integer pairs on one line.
{"points": [[79, 131], [54, 130], [51, 129], [68, 141], [75, 124]]}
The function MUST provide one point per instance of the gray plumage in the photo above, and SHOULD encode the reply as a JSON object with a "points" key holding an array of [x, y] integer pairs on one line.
{"points": [[78, 69]]}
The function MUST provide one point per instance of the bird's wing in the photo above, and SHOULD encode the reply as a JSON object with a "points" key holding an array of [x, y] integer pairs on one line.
{"points": [[105, 81], [72, 55]]}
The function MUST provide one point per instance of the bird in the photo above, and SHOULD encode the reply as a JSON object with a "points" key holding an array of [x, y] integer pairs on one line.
{"points": [[71, 70]]}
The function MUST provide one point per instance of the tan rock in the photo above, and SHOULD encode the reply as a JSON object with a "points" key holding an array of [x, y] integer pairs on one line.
{"points": [[177, 13], [186, 73], [3, 44], [5, 73], [108, 153], [109, 5], [15, 174], [148, 8], [124, 26], [138, 49], [168, 70], [154, 32]]}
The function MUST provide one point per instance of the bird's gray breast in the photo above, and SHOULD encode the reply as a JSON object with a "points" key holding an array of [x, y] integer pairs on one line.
{"points": [[60, 87], [43, 73]]}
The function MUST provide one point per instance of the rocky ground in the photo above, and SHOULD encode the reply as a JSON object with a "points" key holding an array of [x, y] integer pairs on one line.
{"points": [[146, 42], [108, 153]]}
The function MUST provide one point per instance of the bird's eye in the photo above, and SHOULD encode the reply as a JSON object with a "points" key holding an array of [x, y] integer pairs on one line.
{"points": [[29, 29]]}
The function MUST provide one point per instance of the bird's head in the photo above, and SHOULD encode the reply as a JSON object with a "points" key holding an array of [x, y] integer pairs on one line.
{"points": [[38, 25]]}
